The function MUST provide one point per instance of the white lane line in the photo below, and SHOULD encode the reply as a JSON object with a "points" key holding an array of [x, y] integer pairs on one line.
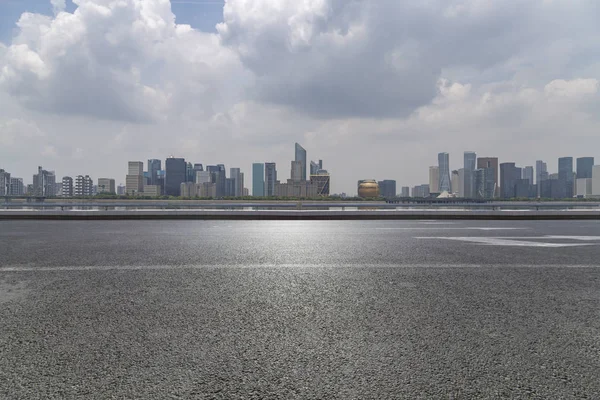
{"points": [[496, 241], [116, 268], [450, 229]]}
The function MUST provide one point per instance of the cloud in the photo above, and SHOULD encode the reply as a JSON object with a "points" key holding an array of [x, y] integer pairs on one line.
{"points": [[122, 60]]}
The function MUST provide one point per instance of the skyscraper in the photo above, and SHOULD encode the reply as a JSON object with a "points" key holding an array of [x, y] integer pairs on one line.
{"points": [[584, 167], [175, 175], [541, 175], [301, 157], [258, 179], [565, 176], [509, 174], [405, 191], [238, 182], [434, 179], [322, 180], [153, 167], [270, 178], [485, 186], [528, 174], [444, 170], [470, 164], [455, 180], [134, 181], [490, 162]]}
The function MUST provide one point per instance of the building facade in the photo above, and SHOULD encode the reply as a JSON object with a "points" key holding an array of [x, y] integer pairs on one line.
{"points": [[300, 156], [44, 183], [154, 166], [258, 179], [175, 175], [434, 179], [83, 185], [4, 183], [16, 187], [565, 176], [405, 191], [387, 188], [270, 178], [322, 180], [444, 170], [584, 167], [67, 186], [470, 165], [106, 185]]}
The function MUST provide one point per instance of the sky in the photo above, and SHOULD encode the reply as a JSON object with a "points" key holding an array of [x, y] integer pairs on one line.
{"points": [[373, 88]]}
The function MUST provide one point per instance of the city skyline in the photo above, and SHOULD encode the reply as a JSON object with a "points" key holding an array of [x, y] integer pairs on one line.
{"points": [[223, 92]]}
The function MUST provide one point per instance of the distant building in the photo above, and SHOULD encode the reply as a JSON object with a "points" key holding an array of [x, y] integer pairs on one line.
{"points": [[444, 170], [509, 174], [258, 179], [190, 173], [541, 174], [135, 180], [16, 187], [315, 166], [202, 177], [83, 186], [270, 178], [485, 185], [300, 154], [405, 191], [67, 186], [421, 191], [584, 167], [296, 171], [565, 176], [238, 182], [106, 185], [152, 190], [527, 173], [154, 166], [368, 188], [524, 189], [296, 189], [490, 162], [596, 180], [44, 183], [461, 182], [219, 178], [454, 179], [387, 188], [470, 164], [434, 179], [175, 175], [584, 187], [4, 183], [322, 180]]}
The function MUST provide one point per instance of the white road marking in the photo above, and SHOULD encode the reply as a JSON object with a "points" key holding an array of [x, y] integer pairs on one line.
{"points": [[84, 268], [452, 228], [503, 241]]}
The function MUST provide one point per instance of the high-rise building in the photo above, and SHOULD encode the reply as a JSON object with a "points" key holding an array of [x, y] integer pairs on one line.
{"points": [[106, 185], [190, 173], [83, 186], [322, 180], [405, 191], [596, 180], [541, 174], [135, 179], [565, 176], [509, 174], [153, 167], [270, 178], [16, 187], [258, 179], [454, 178], [528, 174], [4, 183], [202, 177], [444, 170], [301, 157], [434, 180], [583, 187], [67, 186], [44, 183], [490, 162], [175, 175], [470, 164], [296, 171], [584, 167], [485, 185], [238, 181], [315, 166], [387, 188], [461, 183]]}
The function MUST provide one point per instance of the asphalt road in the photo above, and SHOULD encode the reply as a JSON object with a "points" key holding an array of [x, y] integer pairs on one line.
{"points": [[299, 309]]}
